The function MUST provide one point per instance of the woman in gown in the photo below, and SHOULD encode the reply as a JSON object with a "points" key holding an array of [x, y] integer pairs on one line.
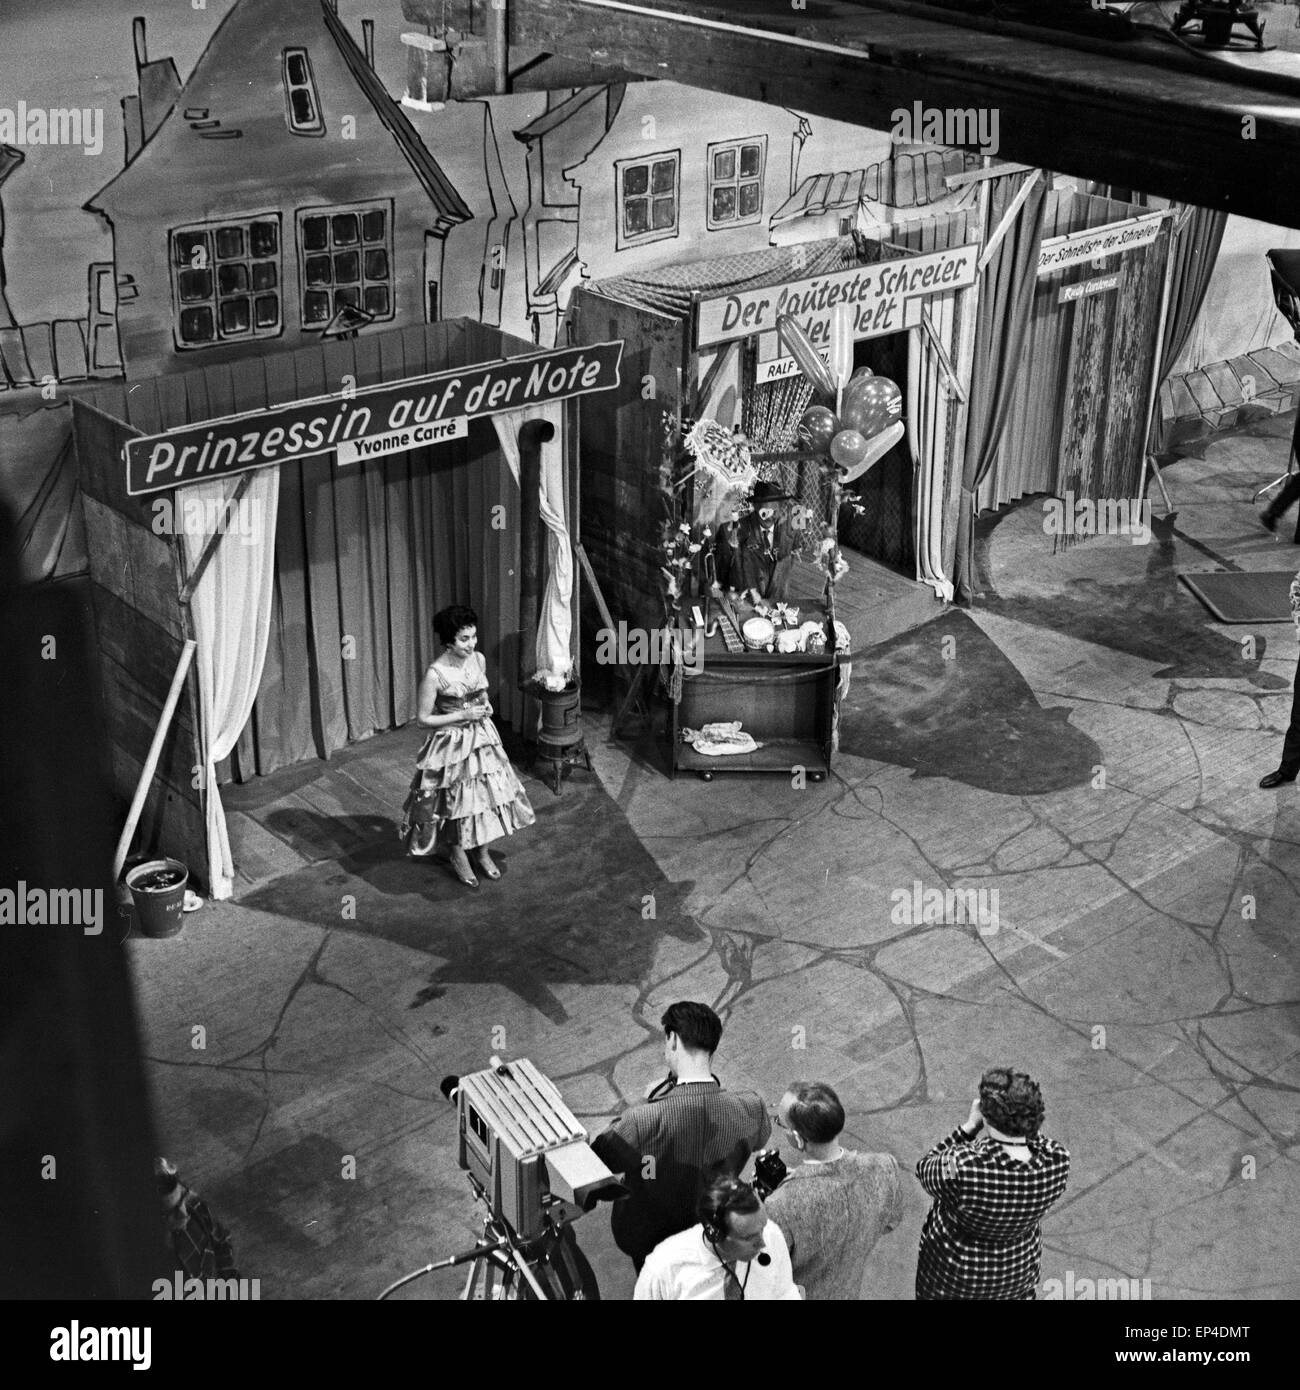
{"points": [[465, 794]]}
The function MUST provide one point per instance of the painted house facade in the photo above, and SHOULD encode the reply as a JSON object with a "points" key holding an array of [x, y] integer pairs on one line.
{"points": [[283, 196], [681, 176]]}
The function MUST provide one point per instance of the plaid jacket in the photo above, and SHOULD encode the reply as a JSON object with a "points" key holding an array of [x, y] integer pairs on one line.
{"points": [[982, 1238]]}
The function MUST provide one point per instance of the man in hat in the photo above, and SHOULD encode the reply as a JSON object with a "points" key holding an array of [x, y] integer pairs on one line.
{"points": [[199, 1242], [756, 554]]}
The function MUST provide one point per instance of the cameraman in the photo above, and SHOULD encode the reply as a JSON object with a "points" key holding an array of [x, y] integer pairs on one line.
{"points": [[836, 1204], [734, 1253], [687, 1130]]}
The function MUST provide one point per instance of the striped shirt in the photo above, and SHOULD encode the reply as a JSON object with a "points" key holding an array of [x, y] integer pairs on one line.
{"points": [[982, 1238], [665, 1149]]}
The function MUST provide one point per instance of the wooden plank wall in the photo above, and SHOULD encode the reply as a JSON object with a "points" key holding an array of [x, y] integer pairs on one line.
{"points": [[1080, 399], [626, 466], [140, 632]]}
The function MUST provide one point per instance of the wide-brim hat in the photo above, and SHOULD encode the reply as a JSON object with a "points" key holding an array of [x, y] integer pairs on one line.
{"points": [[765, 492]]}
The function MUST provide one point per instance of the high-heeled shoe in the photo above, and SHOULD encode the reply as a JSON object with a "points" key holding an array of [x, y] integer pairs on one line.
{"points": [[470, 882], [487, 867]]}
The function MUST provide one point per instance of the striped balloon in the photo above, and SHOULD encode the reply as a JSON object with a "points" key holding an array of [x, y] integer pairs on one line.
{"points": [[840, 360]]}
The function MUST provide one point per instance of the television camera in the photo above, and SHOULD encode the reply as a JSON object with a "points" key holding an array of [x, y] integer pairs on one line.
{"points": [[529, 1163]]}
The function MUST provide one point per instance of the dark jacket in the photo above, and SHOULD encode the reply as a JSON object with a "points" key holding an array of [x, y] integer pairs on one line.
{"points": [[667, 1147], [745, 561]]}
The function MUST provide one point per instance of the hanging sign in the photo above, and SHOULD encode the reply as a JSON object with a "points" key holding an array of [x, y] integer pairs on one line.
{"points": [[1060, 251], [776, 369], [1082, 289], [884, 298], [365, 423]]}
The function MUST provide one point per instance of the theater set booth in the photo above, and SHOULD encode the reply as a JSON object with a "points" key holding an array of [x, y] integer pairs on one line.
{"points": [[1023, 331], [292, 522]]}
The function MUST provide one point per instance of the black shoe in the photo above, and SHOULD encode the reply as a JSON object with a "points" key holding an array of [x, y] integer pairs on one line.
{"points": [[1276, 779], [1267, 520]]}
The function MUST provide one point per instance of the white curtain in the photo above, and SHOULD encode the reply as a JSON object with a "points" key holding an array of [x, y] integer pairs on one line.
{"points": [[555, 628], [927, 431], [231, 608]]}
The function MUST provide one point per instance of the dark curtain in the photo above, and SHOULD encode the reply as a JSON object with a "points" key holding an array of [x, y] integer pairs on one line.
{"points": [[365, 555], [1005, 304], [78, 1215], [1195, 250]]}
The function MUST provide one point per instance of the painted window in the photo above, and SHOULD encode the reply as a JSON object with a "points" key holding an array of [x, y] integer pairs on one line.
{"points": [[345, 256], [301, 103], [226, 279], [648, 198], [736, 182]]}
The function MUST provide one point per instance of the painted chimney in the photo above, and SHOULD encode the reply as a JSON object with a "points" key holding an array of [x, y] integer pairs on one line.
{"points": [[137, 38], [368, 41]]}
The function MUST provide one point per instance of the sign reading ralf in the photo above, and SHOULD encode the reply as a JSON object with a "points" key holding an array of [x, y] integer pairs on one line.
{"points": [[885, 297], [362, 424]]}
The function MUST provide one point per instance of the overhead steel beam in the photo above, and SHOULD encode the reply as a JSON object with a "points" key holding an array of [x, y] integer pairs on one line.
{"points": [[1221, 136]]}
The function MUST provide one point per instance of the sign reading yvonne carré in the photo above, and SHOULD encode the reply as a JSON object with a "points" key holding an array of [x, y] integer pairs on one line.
{"points": [[885, 297], [365, 423]]}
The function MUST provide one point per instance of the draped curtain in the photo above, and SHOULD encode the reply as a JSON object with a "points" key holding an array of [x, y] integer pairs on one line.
{"points": [[231, 609], [929, 415], [1006, 299], [1194, 252], [365, 555], [552, 651]]}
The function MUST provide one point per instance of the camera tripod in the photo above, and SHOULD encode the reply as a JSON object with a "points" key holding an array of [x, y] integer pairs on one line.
{"points": [[548, 1268]]}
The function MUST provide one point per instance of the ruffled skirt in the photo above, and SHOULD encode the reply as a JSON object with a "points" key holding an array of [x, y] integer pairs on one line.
{"points": [[465, 793]]}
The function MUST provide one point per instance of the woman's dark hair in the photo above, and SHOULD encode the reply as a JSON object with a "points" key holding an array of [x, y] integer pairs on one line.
{"points": [[450, 621], [698, 1027], [1011, 1101]]}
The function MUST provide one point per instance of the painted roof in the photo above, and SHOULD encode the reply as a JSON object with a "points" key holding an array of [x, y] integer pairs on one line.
{"points": [[669, 288], [557, 115], [907, 180], [228, 132]]}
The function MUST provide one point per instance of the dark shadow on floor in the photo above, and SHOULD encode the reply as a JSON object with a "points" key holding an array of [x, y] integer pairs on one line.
{"points": [[944, 701], [568, 907]]}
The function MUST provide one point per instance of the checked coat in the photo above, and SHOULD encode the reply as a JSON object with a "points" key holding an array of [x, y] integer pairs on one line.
{"points": [[982, 1238]]}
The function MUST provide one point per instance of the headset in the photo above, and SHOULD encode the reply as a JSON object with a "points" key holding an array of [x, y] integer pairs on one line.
{"points": [[714, 1206]]}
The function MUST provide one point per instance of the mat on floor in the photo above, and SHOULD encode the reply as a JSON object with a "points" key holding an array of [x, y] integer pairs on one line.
{"points": [[1261, 596]]}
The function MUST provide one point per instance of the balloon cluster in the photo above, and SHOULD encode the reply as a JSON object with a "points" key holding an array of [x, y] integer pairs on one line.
{"points": [[868, 425]]}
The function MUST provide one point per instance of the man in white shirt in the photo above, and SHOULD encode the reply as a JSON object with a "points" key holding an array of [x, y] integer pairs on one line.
{"points": [[734, 1253]]}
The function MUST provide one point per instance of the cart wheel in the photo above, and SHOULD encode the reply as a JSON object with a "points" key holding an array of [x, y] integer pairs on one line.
{"points": [[705, 776]]}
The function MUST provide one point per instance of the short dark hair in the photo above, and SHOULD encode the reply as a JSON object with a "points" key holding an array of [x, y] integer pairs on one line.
{"points": [[816, 1114], [449, 621], [1011, 1101], [724, 1195], [698, 1027]]}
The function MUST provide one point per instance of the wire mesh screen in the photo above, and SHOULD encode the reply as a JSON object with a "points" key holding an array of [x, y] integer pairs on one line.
{"points": [[770, 418]]}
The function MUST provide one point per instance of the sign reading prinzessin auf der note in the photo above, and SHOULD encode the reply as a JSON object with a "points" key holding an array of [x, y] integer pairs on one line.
{"points": [[367, 422]]}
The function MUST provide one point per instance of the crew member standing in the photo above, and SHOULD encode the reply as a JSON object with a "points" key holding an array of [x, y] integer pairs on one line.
{"points": [[983, 1237], [688, 1131], [1289, 767], [837, 1203]]}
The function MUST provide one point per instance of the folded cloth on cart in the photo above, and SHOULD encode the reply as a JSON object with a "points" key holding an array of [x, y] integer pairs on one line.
{"points": [[717, 740]]}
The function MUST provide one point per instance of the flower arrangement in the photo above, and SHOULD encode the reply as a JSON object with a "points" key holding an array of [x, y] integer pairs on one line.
{"points": [[682, 569]]}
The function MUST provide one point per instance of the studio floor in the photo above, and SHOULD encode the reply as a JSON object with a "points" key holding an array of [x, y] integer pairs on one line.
{"points": [[1086, 742]]}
